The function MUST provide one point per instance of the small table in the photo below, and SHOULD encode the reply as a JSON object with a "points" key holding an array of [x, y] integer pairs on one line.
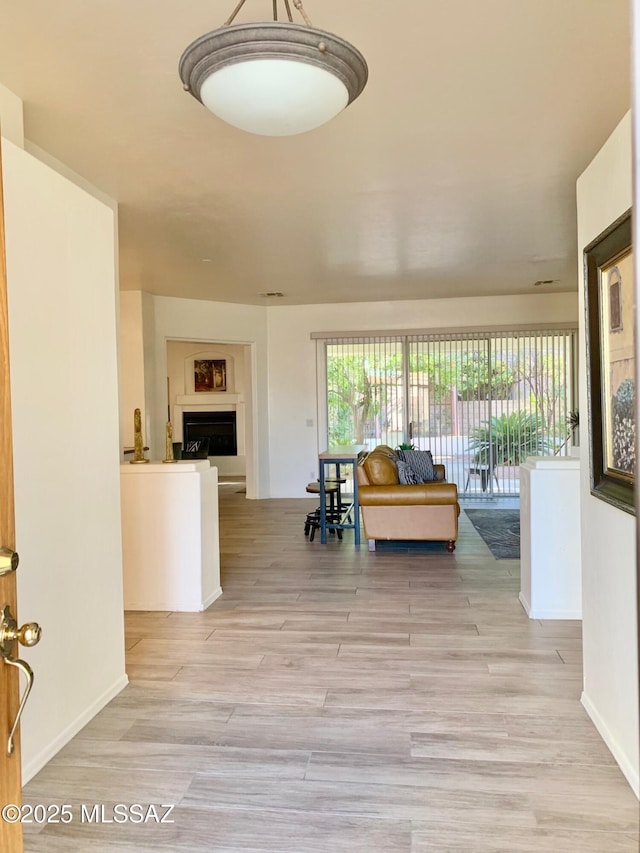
{"points": [[347, 455]]}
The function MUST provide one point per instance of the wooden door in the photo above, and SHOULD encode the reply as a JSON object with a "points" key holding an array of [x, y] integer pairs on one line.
{"points": [[10, 778]]}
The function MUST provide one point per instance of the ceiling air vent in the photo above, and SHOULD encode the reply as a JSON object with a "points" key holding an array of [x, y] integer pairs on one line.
{"points": [[270, 293], [545, 281]]}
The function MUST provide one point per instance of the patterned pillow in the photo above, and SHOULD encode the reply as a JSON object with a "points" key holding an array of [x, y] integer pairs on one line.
{"points": [[422, 463], [406, 474]]}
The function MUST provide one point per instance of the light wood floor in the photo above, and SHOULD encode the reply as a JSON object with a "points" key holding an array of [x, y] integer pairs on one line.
{"points": [[335, 701]]}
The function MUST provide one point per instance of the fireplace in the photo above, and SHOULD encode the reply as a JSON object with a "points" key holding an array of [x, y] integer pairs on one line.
{"points": [[218, 427]]}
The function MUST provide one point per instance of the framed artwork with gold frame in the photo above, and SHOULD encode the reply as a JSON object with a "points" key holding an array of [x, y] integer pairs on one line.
{"points": [[210, 374], [609, 295]]}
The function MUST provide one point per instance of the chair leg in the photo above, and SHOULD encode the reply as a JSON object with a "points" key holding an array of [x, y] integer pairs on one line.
{"points": [[372, 544], [451, 546]]}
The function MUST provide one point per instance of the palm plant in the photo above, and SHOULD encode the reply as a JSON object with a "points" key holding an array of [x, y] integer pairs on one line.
{"points": [[509, 439]]}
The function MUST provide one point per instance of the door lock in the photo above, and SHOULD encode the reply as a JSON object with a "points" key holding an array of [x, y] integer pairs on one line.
{"points": [[28, 635]]}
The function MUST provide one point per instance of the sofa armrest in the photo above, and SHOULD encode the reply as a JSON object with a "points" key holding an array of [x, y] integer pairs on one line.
{"points": [[441, 474], [424, 494]]}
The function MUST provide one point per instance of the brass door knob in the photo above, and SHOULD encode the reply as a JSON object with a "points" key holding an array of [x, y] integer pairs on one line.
{"points": [[28, 635], [8, 561]]}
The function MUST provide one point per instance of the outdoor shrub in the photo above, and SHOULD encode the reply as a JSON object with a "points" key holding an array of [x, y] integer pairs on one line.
{"points": [[509, 439]]}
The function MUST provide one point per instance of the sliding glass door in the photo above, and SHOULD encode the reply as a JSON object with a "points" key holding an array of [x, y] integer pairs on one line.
{"points": [[481, 403], [366, 391]]}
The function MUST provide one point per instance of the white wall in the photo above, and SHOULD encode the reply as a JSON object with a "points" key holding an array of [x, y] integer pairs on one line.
{"points": [[11, 117], [610, 618], [60, 244], [167, 318], [292, 360], [131, 352]]}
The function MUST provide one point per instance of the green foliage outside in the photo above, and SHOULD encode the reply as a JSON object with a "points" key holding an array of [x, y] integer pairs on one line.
{"points": [[545, 373], [365, 389], [509, 439], [476, 378], [359, 388], [363, 385]]}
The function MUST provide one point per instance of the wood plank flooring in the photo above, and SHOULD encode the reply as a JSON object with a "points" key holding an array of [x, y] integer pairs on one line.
{"points": [[335, 700]]}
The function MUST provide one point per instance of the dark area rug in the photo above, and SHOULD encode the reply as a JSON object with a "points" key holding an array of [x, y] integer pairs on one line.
{"points": [[500, 529]]}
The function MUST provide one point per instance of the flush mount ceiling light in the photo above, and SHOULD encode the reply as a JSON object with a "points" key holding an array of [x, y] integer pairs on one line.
{"points": [[274, 78]]}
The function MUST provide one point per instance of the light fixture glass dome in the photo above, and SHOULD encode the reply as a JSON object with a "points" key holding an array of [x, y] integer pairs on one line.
{"points": [[273, 79], [274, 97]]}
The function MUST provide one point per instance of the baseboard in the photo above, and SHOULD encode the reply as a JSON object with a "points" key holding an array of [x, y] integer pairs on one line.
{"points": [[211, 598], [189, 606], [556, 614], [547, 614], [527, 607], [630, 772], [36, 764]]}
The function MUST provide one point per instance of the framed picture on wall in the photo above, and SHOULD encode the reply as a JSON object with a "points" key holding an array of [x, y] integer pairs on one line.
{"points": [[210, 374], [609, 297]]}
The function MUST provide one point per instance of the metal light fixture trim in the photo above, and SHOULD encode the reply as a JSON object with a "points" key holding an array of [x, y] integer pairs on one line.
{"points": [[277, 42]]}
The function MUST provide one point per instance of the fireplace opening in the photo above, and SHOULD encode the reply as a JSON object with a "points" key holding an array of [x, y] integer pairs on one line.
{"points": [[218, 427]]}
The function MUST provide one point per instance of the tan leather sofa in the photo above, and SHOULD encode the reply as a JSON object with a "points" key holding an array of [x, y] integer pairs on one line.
{"points": [[428, 511]]}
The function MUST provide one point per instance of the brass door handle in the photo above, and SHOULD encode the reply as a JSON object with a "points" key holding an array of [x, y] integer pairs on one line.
{"points": [[27, 635], [8, 561], [23, 666]]}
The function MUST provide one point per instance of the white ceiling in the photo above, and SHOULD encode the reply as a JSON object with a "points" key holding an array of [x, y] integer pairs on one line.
{"points": [[453, 174]]}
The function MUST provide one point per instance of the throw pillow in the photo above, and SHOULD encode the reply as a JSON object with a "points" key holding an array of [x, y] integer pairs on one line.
{"points": [[406, 474], [422, 463]]}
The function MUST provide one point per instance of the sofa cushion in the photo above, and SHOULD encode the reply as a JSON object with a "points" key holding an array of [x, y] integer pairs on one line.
{"points": [[425, 494], [406, 474], [422, 463], [388, 451], [381, 470]]}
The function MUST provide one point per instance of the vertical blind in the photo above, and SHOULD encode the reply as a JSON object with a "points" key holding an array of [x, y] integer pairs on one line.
{"points": [[481, 402]]}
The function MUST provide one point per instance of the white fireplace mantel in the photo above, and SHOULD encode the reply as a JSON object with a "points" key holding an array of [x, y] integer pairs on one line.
{"points": [[216, 400]]}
